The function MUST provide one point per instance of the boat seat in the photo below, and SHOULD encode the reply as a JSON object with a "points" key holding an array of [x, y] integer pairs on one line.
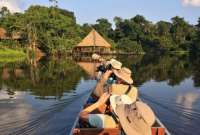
{"points": [[158, 131]]}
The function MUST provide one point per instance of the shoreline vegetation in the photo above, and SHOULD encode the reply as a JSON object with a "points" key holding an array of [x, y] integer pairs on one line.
{"points": [[54, 30], [11, 55]]}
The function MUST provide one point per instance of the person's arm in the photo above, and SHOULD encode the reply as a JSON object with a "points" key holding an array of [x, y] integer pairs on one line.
{"points": [[99, 90], [85, 112]]}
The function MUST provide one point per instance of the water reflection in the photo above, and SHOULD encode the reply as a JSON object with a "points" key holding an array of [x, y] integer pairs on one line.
{"points": [[187, 99], [173, 69], [44, 97], [49, 78], [90, 68]]}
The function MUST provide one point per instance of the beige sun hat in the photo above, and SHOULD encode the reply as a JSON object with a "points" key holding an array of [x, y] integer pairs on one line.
{"points": [[124, 74], [102, 60], [119, 99], [120, 89], [136, 118], [96, 56], [115, 64]]}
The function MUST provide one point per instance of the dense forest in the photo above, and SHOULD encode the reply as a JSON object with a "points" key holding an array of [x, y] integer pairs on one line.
{"points": [[54, 29]]}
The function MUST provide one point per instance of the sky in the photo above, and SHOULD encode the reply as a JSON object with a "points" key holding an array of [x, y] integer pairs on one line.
{"points": [[88, 11]]}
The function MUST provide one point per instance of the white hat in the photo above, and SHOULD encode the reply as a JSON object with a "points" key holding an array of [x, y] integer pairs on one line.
{"points": [[115, 64], [121, 89], [124, 74], [118, 100], [96, 56], [136, 118]]}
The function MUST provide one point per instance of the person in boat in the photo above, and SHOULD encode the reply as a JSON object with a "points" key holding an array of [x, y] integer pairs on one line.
{"points": [[102, 83], [101, 120], [107, 65], [116, 82], [123, 84], [96, 56], [134, 117]]}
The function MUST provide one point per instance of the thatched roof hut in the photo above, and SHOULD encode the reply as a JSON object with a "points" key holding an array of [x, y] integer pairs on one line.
{"points": [[93, 42], [3, 33], [16, 35]]}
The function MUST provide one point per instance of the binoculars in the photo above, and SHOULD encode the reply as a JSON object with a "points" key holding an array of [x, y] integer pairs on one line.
{"points": [[103, 68]]}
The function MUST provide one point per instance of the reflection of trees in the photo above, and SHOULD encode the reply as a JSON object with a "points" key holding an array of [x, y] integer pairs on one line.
{"points": [[196, 70], [49, 78], [174, 69], [53, 77]]}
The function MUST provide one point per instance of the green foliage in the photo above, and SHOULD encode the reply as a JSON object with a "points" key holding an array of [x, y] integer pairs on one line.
{"points": [[10, 53], [162, 36], [195, 49], [54, 29], [51, 28], [127, 45]]}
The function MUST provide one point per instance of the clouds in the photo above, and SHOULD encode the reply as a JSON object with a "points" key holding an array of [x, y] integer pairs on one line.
{"points": [[195, 3], [12, 5]]}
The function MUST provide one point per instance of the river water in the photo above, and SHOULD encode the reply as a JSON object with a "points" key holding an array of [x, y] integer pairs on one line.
{"points": [[45, 96]]}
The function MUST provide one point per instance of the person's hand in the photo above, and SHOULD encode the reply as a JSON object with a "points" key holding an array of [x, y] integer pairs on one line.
{"points": [[102, 100], [107, 74]]}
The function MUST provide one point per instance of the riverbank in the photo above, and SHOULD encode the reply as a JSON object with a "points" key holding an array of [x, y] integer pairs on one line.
{"points": [[11, 55]]}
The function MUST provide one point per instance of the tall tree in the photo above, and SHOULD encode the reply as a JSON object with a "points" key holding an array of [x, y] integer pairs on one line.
{"points": [[54, 3], [103, 26], [4, 11]]}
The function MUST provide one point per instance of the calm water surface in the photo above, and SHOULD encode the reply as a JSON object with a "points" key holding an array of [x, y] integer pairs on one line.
{"points": [[45, 97]]}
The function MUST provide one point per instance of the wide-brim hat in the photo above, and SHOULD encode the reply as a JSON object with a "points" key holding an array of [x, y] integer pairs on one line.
{"points": [[119, 99], [115, 64], [96, 56], [124, 74], [136, 118], [102, 60], [121, 89]]}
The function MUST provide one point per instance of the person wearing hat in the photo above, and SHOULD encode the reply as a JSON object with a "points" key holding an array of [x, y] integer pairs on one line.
{"points": [[109, 65], [120, 76], [96, 56], [136, 118], [121, 89], [99, 90], [104, 120], [123, 76]]}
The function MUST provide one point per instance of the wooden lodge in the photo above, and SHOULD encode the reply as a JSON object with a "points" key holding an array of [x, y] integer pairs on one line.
{"points": [[3, 33], [15, 35], [93, 43]]}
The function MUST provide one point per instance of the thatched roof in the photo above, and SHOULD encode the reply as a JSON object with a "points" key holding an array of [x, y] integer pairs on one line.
{"points": [[94, 39], [16, 35], [2, 33]]}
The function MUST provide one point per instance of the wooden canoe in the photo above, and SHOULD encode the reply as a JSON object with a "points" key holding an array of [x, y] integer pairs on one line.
{"points": [[157, 129]]}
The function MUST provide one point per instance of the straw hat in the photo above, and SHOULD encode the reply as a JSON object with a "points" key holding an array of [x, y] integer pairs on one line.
{"points": [[120, 89], [135, 118], [102, 60], [115, 64], [96, 56], [124, 74], [118, 100]]}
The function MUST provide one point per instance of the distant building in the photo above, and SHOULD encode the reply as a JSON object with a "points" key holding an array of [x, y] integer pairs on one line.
{"points": [[3, 33], [93, 43], [15, 35]]}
